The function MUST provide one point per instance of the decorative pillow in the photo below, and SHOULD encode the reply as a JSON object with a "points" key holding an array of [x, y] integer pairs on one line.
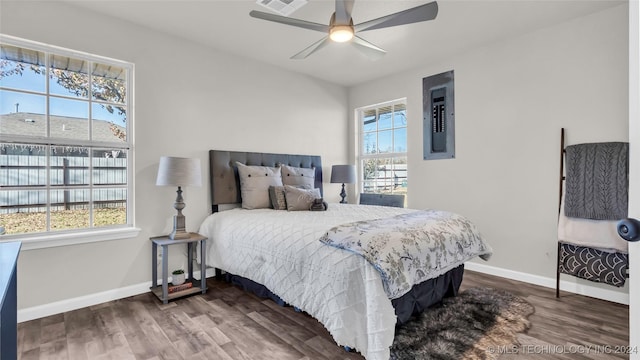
{"points": [[300, 199], [254, 184], [300, 177], [277, 197]]}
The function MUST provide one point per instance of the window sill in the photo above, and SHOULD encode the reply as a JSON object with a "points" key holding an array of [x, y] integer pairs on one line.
{"points": [[55, 240]]}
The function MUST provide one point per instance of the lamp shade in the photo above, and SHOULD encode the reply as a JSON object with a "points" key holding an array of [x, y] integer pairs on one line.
{"points": [[176, 171], [345, 174]]}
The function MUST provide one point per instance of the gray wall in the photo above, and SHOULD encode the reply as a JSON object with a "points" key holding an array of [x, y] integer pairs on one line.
{"points": [[180, 110], [512, 97]]}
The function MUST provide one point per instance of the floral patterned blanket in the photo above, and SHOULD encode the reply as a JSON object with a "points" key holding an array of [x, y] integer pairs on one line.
{"points": [[410, 248]]}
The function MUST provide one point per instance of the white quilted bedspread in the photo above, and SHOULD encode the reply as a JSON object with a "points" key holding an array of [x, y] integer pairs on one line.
{"points": [[281, 250]]}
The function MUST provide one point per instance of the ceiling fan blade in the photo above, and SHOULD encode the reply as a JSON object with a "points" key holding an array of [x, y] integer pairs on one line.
{"points": [[313, 48], [419, 13], [343, 11], [368, 49], [289, 21]]}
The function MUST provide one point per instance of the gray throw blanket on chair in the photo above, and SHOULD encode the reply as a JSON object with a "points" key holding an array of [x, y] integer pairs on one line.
{"points": [[597, 180]]}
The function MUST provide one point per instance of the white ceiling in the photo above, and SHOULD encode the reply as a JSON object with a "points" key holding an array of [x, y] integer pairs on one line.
{"points": [[461, 24]]}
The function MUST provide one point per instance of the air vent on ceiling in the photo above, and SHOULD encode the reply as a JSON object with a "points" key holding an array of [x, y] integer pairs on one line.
{"points": [[283, 7]]}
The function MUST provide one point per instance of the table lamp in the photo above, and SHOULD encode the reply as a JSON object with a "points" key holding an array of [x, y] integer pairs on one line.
{"points": [[345, 174], [176, 171]]}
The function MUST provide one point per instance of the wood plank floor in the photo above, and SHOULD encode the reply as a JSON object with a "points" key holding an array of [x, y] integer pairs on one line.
{"points": [[228, 323]]}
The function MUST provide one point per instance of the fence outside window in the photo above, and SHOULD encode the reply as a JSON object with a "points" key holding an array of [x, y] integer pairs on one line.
{"points": [[69, 189]]}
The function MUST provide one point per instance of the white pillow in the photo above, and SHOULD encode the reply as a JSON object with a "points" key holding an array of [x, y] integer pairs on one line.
{"points": [[299, 177], [254, 184], [300, 199]]}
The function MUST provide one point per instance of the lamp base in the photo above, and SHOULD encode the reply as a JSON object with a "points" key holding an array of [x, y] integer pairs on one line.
{"points": [[343, 194], [179, 231]]}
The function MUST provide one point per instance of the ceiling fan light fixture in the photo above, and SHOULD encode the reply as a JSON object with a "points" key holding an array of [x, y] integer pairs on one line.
{"points": [[341, 33], [342, 29]]}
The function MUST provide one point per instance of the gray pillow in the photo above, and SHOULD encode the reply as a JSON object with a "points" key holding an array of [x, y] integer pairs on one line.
{"points": [[277, 197], [254, 184], [300, 177], [300, 199]]}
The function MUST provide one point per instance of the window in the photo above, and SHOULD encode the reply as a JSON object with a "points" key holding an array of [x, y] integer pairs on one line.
{"points": [[382, 149], [65, 141]]}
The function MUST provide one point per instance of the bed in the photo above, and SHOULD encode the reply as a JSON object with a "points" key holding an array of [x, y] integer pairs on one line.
{"points": [[279, 254]]}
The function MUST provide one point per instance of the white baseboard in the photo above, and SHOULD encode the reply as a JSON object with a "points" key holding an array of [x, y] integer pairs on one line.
{"points": [[586, 290], [58, 307]]}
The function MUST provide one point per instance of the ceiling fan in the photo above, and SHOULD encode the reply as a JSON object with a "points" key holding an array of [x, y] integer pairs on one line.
{"points": [[342, 29]]}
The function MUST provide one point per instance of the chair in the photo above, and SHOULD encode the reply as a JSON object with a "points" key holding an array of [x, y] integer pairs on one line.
{"points": [[394, 200]]}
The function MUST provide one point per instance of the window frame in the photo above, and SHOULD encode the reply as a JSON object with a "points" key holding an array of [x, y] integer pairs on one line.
{"points": [[48, 238], [360, 133]]}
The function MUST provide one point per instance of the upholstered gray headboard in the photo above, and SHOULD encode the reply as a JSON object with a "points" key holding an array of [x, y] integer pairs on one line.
{"points": [[225, 184]]}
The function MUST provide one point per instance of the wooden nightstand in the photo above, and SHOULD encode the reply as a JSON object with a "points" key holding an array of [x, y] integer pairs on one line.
{"points": [[162, 292]]}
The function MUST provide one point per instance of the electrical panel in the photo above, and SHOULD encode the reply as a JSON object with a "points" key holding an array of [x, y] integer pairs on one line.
{"points": [[438, 118]]}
